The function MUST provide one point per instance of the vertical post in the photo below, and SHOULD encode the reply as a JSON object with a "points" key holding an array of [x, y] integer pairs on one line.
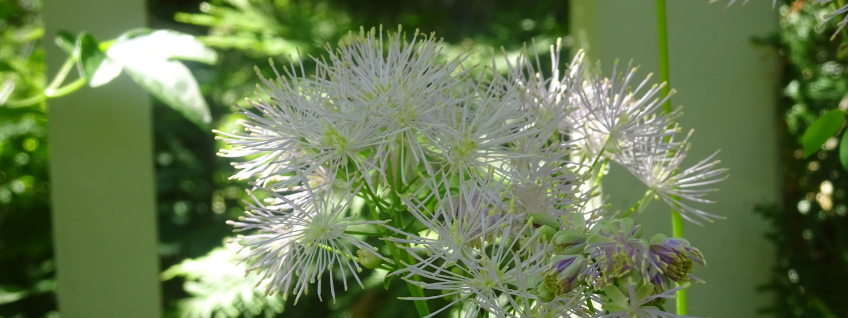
{"points": [[727, 87], [101, 169]]}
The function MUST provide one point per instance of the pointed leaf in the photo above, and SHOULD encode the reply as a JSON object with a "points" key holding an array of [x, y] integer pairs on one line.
{"points": [[387, 281], [172, 83], [90, 57], [822, 129], [843, 152], [163, 45], [108, 70]]}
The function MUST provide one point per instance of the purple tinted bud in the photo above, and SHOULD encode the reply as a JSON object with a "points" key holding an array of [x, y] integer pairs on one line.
{"points": [[675, 257]]}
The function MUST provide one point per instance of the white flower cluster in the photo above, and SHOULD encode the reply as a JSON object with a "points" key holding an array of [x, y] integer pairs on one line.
{"points": [[475, 183]]}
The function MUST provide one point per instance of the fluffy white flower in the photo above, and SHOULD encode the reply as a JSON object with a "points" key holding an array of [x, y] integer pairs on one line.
{"points": [[475, 251], [296, 244], [614, 118], [659, 168], [400, 89]]}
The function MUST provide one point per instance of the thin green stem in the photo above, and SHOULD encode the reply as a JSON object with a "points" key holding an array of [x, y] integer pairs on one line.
{"points": [[662, 36], [29, 101], [60, 76], [398, 253], [364, 233], [67, 89], [601, 172], [638, 203]]}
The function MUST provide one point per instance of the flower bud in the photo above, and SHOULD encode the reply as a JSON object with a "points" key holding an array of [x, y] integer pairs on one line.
{"points": [[540, 219], [547, 233], [568, 242], [675, 257], [563, 274], [368, 258]]}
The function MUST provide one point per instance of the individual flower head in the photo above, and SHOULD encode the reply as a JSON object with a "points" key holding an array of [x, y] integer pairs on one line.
{"points": [[637, 302], [454, 223], [675, 257], [400, 89], [616, 249], [301, 129], [561, 277], [616, 117], [472, 249], [296, 244], [500, 274], [546, 184], [547, 93], [480, 130], [659, 169]]}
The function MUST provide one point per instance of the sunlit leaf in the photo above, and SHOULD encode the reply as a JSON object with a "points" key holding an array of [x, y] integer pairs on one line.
{"points": [[172, 83], [162, 44], [90, 56], [821, 130], [108, 70], [843, 151]]}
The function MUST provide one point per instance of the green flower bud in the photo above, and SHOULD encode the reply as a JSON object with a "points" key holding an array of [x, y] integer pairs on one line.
{"points": [[368, 259], [567, 242], [547, 233], [563, 274], [540, 219]]}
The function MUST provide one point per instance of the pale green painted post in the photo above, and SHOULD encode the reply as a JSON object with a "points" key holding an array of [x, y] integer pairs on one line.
{"points": [[104, 221], [727, 87]]}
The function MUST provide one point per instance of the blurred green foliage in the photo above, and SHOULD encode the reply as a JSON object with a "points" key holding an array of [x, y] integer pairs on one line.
{"points": [[26, 253], [808, 226]]}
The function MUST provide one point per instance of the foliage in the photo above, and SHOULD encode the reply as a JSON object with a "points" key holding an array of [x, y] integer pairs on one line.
{"points": [[808, 226], [26, 253]]}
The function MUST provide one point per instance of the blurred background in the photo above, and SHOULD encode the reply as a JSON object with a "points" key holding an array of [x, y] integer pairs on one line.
{"points": [[805, 276]]}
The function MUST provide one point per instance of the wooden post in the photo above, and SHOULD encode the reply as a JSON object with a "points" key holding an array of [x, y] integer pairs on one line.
{"points": [[102, 179]]}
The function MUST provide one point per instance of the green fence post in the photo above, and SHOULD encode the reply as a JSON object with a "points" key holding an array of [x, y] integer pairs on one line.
{"points": [[102, 179]]}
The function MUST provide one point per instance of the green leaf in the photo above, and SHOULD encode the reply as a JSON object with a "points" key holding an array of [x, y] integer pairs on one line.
{"points": [[107, 71], [843, 151], [821, 130], [66, 41], [90, 57], [172, 83], [6, 67], [387, 281], [161, 44]]}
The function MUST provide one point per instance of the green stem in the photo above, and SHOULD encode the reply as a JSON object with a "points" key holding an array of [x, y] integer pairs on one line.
{"points": [[601, 172], [67, 89], [29, 101], [60, 76], [662, 35], [398, 253], [364, 233], [638, 203]]}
